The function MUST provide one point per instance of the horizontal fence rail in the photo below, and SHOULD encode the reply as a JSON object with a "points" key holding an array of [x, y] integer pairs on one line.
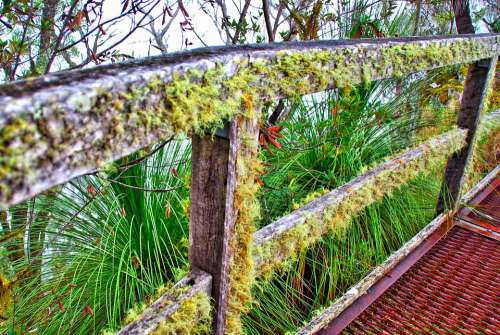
{"points": [[363, 287], [63, 125], [169, 303], [305, 225]]}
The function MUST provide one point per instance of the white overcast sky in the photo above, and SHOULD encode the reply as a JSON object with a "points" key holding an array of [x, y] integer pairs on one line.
{"points": [[138, 44]]}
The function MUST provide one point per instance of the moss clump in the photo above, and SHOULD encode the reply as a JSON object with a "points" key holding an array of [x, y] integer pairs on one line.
{"points": [[7, 279], [193, 317], [336, 217], [247, 209]]}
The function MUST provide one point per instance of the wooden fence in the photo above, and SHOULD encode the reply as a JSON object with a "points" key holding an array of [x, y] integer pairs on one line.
{"points": [[64, 125]]}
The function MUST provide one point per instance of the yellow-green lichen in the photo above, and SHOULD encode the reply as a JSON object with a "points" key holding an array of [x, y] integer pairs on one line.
{"points": [[194, 317], [7, 279], [337, 216], [247, 209], [485, 153]]}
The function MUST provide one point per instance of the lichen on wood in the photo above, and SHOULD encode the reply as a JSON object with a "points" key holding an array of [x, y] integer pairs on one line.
{"points": [[332, 212], [247, 209], [63, 125], [486, 151], [193, 317], [183, 309]]}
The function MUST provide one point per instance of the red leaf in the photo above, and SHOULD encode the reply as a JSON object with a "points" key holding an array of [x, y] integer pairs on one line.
{"points": [[275, 129], [174, 172], [168, 212], [61, 306], [259, 181], [334, 111], [77, 21], [87, 310], [275, 143], [123, 213], [263, 143], [91, 190]]}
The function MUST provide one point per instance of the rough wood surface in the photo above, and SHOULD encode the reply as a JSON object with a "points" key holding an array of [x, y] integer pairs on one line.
{"points": [[479, 78], [212, 213], [197, 281], [270, 235], [66, 124], [362, 287], [481, 185]]}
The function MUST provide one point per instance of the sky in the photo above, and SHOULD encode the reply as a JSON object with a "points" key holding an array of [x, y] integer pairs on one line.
{"points": [[138, 44]]}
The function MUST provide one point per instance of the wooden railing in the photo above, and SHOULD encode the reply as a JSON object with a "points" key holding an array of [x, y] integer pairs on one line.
{"points": [[64, 125]]}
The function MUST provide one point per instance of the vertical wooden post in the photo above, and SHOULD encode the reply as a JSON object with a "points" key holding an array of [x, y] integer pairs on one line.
{"points": [[213, 215], [478, 80]]}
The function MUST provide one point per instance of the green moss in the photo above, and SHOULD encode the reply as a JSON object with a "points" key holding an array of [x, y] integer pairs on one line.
{"points": [[247, 209], [7, 279], [336, 217], [193, 317]]}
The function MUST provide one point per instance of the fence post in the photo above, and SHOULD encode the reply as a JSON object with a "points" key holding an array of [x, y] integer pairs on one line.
{"points": [[479, 78], [212, 211]]}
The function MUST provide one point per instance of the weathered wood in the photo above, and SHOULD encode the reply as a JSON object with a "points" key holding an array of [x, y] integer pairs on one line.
{"points": [[477, 83], [212, 213], [273, 242], [481, 185], [463, 20], [66, 124], [364, 285], [197, 281]]}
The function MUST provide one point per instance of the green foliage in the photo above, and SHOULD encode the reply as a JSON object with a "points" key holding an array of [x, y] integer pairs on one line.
{"points": [[108, 245], [328, 142], [327, 270]]}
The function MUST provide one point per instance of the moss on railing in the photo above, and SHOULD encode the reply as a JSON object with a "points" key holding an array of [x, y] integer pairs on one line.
{"points": [[193, 317], [247, 208], [485, 151], [335, 217], [198, 99]]}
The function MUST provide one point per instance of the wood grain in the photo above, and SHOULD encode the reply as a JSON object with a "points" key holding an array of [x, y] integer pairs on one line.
{"points": [[479, 79], [212, 213], [197, 281]]}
